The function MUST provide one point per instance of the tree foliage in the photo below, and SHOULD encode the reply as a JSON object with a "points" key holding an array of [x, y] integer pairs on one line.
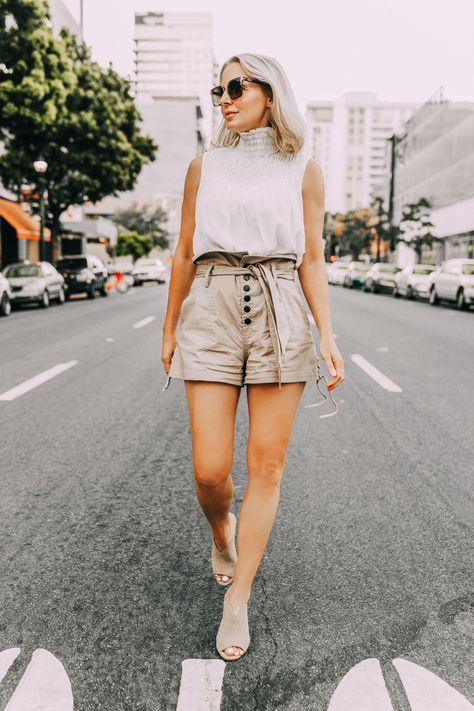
{"points": [[134, 245], [415, 228], [57, 103], [145, 220]]}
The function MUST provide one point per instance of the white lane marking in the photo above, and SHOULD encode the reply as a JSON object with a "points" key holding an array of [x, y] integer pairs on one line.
{"points": [[144, 322], [362, 688], [7, 657], [44, 685], [201, 685], [37, 380], [426, 691], [375, 373], [382, 349], [109, 340]]}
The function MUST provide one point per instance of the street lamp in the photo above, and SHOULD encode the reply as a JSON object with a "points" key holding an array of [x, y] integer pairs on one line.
{"points": [[41, 167]]}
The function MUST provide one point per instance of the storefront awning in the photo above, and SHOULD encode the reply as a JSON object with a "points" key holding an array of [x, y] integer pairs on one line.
{"points": [[24, 225]]}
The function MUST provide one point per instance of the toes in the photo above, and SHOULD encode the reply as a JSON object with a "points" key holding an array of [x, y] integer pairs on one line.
{"points": [[233, 651]]}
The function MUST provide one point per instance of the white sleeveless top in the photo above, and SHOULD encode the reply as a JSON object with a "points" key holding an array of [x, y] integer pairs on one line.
{"points": [[249, 198]]}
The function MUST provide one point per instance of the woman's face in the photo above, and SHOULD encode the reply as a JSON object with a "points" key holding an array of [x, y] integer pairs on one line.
{"points": [[250, 110]]}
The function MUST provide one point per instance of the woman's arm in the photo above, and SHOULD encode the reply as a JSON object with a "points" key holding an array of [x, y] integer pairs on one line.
{"points": [[182, 268], [312, 270]]}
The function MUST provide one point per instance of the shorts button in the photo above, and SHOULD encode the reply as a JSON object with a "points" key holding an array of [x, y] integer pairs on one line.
{"points": [[247, 320], [246, 297], [246, 277], [246, 287], [247, 308]]}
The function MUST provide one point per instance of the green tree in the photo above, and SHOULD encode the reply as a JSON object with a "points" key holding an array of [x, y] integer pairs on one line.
{"points": [[146, 220], [380, 229], [134, 245], [58, 103], [415, 228]]}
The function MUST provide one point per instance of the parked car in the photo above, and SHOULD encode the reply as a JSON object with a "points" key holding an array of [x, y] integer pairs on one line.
{"points": [[354, 276], [380, 277], [124, 265], [84, 273], [413, 281], [35, 282], [337, 273], [453, 281], [5, 296], [147, 269]]}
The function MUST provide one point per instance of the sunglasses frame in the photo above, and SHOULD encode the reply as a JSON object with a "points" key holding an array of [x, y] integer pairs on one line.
{"points": [[226, 88]]}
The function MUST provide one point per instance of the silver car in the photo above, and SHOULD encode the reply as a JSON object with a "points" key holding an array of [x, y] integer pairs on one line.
{"points": [[5, 296], [337, 272], [413, 281], [35, 282], [453, 281]]}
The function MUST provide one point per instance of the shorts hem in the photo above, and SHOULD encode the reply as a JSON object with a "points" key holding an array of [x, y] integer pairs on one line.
{"points": [[206, 375], [271, 376]]}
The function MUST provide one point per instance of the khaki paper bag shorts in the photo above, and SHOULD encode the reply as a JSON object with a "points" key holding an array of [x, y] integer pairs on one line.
{"points": [[244, 321]]}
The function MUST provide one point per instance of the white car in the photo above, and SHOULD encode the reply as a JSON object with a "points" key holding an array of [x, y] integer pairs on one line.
{"points": [[35, 282], [6, 296], [147, 269], [413, 281], [337, 272], [453, 281]]}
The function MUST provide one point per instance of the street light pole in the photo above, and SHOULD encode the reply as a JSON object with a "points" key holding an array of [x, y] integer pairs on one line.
{"points": [[41, 167]]}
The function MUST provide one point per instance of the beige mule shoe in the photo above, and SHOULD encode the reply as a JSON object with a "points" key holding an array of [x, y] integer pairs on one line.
{"points": [[233, 631], [223, 562]]}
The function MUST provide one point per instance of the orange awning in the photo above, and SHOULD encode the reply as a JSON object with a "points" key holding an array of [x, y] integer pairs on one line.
{"points": [[26, 227]]}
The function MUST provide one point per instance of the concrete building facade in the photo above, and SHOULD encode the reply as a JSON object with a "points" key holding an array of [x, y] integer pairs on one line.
{"points": [[349, 141]]}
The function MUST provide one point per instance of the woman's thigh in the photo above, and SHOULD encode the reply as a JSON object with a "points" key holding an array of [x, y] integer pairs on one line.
{"points": [[212, 408], [271, 418]]}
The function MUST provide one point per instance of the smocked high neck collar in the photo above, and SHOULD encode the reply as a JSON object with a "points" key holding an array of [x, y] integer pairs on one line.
{"points": [[257, 141]]}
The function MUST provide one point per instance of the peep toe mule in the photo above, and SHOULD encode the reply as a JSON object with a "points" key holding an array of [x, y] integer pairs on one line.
{"points": [[223, 562], [233, 630]]}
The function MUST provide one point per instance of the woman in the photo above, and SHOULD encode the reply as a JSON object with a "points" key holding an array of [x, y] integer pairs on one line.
{"points": [[235, 314]]}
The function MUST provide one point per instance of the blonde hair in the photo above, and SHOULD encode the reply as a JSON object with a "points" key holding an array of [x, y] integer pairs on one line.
{"points": [[284, 116]]}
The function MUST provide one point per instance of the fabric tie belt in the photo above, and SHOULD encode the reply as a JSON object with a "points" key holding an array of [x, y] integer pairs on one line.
{"points": [[278, 318]]}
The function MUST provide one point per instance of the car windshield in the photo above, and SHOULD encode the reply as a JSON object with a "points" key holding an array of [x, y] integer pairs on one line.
{"points": [[389, 268], [468, 269], [23, 270], [77, 263], [361, 267], [342, 265], [146, 263], [423, 270]]}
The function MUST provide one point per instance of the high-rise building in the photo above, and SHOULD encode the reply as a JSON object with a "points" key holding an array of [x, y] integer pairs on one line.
{"points": [[349, 141], [66, 13], [174, 58], [434, 159]]}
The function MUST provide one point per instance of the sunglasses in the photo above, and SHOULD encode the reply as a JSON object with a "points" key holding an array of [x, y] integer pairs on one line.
{"points": [[234, 88]]}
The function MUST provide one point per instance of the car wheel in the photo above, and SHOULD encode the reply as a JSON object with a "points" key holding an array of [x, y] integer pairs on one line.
{"points": [[103, 290], [373, 288], [61, 296], [91, 292], [44, 301], [461, 300], [434, 298], [5, 305], [410, 293], [395, 292]]}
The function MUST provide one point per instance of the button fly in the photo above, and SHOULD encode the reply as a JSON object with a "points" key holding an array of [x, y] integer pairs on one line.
{"points": [[247, 320], [247, 308], [246, 297], [246, 287], [246, 277]]}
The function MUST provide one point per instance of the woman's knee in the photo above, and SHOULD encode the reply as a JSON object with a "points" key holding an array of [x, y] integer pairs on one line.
{"points": [[211, 473], [266, 464]]}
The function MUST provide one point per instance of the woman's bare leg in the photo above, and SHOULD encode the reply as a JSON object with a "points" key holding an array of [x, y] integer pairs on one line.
{"points": [[212, 408], [271, 416]]}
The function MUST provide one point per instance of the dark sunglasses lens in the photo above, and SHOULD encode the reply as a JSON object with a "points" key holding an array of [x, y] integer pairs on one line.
{"points": [[234, 88], [216, 95]]}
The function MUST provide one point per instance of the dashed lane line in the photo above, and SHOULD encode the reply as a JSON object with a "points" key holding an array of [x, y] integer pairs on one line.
{"points": [[144, 322], [375, 373], [201, 685], [39, 379]]}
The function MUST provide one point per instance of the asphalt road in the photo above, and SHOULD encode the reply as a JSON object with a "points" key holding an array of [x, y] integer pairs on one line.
{"points": [[364, 599]]}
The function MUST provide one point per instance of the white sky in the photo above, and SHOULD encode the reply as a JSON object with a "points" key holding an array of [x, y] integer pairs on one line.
{"points": [[401, 49]]}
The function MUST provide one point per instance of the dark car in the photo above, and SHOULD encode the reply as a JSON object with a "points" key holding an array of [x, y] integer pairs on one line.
{"points": [[34, 282], [380, 277], [84, 274]]}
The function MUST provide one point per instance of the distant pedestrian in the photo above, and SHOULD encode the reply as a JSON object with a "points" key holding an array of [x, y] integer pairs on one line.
{"points": [[252, 219]]}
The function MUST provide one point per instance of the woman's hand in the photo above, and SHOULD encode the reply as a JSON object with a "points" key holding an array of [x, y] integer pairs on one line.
{"points": [[168, 348], [333, 360]]}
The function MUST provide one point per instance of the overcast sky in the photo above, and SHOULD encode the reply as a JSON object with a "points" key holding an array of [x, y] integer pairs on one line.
{"points": [[401, 49]]}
